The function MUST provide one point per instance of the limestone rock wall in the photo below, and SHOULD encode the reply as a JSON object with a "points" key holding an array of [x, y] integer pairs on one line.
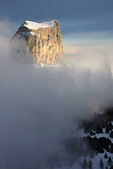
{"points": [[45, 44]]}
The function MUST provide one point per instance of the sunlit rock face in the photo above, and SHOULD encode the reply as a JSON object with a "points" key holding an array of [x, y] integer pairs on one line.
{"points": [[43, 41]]}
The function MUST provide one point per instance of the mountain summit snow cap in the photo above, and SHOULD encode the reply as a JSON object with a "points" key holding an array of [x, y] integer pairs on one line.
{"points": [[35, 25]]}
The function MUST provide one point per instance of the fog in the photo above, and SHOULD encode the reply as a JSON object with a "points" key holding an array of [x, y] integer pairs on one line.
{"points": [[41, 106]]}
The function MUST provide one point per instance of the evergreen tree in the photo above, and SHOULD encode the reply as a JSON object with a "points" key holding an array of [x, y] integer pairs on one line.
{"points": [[105, 156], [111, 167], [109, 161], [90, 164], [84, 164], [101, 164]]}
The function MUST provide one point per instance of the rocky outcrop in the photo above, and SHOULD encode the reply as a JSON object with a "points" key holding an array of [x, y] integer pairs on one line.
{"points": [[43, 41]]}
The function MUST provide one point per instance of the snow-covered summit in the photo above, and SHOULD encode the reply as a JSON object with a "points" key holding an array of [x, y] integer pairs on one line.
{"points": [[43, 41], [35, 25]]}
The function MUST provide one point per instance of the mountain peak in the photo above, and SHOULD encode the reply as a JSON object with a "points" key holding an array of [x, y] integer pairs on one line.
{"points": [[43, 40]]}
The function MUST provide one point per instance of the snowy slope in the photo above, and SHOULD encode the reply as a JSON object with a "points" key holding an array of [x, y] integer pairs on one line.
{"points": [[95, 157]]}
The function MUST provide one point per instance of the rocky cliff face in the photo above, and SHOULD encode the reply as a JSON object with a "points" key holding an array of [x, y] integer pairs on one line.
{"points": [[43, 41]]}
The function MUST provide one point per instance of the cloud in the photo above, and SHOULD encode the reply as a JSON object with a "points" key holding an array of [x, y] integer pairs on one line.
{"points": [[40, 106]]}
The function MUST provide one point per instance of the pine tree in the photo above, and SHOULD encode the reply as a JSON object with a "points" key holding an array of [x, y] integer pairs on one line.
{"points": [[111, 167], [90, 164], [101, 164], [105, 156], [109, 161], [84, 164]]}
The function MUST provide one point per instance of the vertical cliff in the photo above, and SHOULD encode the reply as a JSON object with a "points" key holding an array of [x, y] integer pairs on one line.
{"points": [[43, 40]]}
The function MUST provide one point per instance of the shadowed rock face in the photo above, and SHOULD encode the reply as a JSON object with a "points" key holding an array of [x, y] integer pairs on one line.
{"points": [[43, 41]]}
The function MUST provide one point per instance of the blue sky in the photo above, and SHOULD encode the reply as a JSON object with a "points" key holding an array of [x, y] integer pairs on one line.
{"points": [[79, 19]]}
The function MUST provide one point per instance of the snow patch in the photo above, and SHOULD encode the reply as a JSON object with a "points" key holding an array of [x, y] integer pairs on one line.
{"points": [[35, 25]]}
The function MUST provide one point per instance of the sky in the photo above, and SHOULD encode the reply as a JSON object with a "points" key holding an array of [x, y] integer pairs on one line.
{"points": [[79, 19]]}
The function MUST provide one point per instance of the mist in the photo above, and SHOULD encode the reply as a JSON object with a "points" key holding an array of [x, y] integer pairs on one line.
{"points": [[41, 106]]}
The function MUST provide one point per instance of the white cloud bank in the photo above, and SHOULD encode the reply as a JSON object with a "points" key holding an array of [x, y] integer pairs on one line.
{"points": [[39, 106]]}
